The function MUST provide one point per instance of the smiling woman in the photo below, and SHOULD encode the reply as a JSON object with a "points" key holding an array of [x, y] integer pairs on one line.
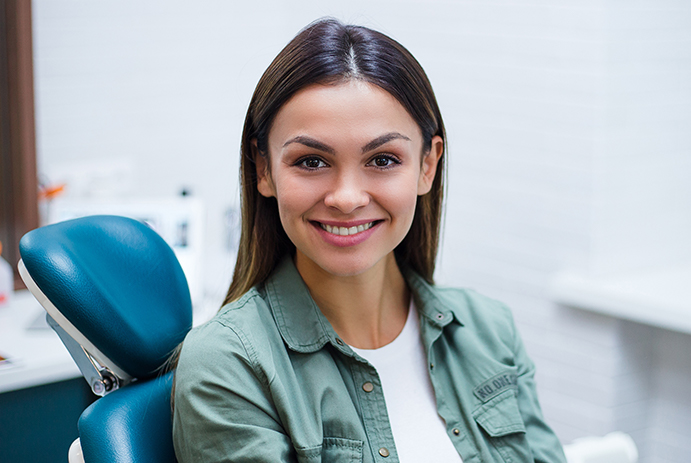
{"points": [[327, 178], [334, 343]]}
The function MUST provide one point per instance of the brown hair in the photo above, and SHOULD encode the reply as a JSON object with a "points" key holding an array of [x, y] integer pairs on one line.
{"points": [[329, 52]]}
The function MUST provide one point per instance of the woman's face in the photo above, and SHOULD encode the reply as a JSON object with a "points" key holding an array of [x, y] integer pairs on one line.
{"points": [[346, 167]]}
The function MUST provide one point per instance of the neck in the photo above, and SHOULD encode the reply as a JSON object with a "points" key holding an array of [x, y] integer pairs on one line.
{"points": [[367, 310]]}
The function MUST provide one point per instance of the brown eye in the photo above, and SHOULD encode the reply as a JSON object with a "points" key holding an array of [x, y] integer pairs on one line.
{"points": [[311, 163], [383, 161]]}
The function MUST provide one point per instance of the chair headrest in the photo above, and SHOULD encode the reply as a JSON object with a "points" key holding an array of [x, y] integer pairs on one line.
{"points": [[117, 282]]}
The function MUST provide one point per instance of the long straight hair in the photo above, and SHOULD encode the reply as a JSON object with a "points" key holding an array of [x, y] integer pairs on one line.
{"points": [[329, 52]]}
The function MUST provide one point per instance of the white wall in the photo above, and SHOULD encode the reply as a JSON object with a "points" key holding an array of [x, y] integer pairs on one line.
{"points": [[569, 148]]}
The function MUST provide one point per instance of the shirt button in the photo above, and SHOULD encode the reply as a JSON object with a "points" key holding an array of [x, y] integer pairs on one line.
{"points": [[368, 387], [384, 452], [440, 316], [456, 431], [339, 342]]}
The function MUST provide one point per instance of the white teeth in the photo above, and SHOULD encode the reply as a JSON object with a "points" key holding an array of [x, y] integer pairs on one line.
{"points": [[345, 231]]}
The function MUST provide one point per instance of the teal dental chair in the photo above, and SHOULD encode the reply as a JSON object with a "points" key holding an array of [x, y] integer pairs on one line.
{"points": [[116, 295]]}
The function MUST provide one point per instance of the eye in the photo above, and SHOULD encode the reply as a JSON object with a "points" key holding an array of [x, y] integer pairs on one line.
{"points": [[383, 161], [311, 163]]}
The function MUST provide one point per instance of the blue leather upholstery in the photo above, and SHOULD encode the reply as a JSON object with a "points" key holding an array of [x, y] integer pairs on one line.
{"points": [[117, 282], [138, 422], [121, 286]]}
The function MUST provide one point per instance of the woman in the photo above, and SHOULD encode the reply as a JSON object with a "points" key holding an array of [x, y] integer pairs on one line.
{"points": [[334, 344]]}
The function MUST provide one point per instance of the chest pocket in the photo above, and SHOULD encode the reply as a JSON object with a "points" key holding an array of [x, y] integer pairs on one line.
{"points": [[501, 420], [332, 450]]}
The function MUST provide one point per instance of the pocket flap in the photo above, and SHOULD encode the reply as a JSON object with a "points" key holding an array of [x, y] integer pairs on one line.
{"points": [[333, 449], [500, 415]]}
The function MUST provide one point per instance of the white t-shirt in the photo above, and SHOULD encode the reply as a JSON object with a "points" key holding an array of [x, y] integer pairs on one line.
{"points": [[418, 430]]}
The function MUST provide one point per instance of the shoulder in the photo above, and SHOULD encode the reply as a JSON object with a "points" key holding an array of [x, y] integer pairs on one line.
{"points": [[477, 311], [471, 303], [467, 306], [232, 336], [229, 324]]}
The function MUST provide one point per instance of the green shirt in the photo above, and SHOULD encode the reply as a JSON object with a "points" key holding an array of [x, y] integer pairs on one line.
{"points": [[269, 380]]}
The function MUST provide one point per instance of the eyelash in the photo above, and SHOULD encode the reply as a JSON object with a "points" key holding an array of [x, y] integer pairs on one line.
{"points": [[388, 157], [301, 162]]}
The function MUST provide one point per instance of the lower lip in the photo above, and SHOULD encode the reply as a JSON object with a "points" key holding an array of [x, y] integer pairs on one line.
{"points": [[345, 241]]}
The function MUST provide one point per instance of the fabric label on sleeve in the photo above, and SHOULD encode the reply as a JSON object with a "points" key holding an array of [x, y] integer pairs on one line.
{"points": [[495, 386]]}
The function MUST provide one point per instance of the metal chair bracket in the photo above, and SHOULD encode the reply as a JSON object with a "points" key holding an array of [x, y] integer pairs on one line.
{"points": [[101, 380]]}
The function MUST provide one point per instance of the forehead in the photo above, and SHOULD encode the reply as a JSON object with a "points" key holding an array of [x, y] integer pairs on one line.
{"points": [[349, 111]]}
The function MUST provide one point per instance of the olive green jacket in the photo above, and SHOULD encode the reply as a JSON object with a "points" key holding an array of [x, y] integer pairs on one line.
{"points": [[268, 380]]}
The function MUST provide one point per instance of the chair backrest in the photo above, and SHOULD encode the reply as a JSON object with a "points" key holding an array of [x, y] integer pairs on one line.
{"points": [[138, 421], [114, 289]]}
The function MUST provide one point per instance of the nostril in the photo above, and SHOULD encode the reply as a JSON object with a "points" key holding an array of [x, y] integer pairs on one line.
{"points": [[346, 200]]}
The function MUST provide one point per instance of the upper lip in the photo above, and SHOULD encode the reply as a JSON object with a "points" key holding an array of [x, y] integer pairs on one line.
{"points": [[354, 223]]}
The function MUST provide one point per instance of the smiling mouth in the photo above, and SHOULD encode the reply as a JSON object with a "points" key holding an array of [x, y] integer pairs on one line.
{"points": [[347, 231]]}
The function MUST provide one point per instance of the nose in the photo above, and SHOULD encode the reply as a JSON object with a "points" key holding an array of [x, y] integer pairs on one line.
{"points": [[347, 193]]}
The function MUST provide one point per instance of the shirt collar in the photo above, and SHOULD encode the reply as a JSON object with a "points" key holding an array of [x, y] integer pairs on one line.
{"points": [[430, 302], [302, 325], [305, 329]]}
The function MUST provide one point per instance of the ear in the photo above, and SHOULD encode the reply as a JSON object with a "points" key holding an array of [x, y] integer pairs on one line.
{"points": [[265, 185], [428, 169]]}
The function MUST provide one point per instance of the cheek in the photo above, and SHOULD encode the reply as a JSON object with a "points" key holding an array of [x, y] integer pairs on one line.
{"points": [[295, 197], [407, 205], [399, 199], [400, 192]]}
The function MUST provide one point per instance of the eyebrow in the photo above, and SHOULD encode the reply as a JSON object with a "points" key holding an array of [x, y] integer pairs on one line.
{"points": [[374, 144], [382, 140], [311, 143]]}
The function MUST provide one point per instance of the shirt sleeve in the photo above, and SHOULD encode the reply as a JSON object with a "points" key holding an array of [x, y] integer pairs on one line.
{"points": [[544, 444], [222, 408]]}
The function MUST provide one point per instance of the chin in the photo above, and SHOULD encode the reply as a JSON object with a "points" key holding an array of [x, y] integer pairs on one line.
{"points": [[347, 266], [345, 269]]}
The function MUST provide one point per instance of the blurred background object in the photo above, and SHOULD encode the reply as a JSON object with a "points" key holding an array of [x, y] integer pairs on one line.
{"points": [[6, 281], [615, 447]]}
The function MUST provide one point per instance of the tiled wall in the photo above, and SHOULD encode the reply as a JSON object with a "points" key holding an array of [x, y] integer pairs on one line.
{"points": [[569, 148], [670, 410]]}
